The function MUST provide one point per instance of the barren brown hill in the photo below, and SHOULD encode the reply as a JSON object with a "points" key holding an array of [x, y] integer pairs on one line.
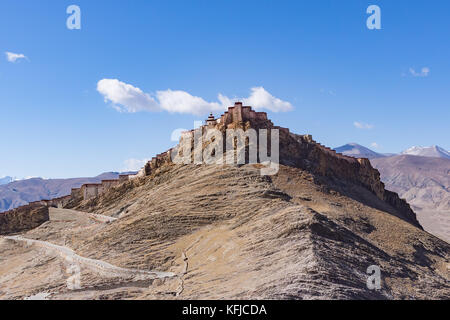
{"points": [[227, 232]]}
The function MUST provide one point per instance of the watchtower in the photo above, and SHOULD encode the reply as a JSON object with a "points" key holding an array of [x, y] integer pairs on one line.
{"points": [[211, 121]]}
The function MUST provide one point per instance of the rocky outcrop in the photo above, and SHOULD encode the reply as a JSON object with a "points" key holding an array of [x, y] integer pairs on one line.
{"points": [[303, 152], [23, 218]]}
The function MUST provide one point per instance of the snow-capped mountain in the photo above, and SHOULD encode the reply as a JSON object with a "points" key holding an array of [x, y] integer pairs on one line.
{"points": [[358, 151], [434, 151], [6, 180]]}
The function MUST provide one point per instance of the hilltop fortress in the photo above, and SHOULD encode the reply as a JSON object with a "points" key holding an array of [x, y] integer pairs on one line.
{"points": [[295, 150]]}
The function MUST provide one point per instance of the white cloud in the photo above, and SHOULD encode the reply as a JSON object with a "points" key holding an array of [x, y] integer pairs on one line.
{"points": [[134, 164], [183, 102], [423, 73], [362, 125], [375, 145], [127, 98], [261, 99], [13, 57]]}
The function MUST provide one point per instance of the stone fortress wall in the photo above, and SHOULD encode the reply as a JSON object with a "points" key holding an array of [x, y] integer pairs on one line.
{"points": [[92, 190], [85, 192], [332, 152]]}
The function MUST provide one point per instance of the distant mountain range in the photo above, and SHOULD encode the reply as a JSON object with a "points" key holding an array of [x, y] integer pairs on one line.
{"points": [[20, 192], [358, 151], [421, 176]]}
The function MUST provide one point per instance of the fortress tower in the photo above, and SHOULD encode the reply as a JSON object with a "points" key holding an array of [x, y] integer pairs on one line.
{"points": [[211, 121], [239, 115]]}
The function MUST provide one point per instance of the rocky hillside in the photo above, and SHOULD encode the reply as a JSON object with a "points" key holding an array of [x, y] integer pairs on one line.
{"points": [[185, 231], [227, 232], [425, 183], [23, 219]]}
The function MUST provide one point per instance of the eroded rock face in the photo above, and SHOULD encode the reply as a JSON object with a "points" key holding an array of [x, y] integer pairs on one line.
{"points": [[24, 218], [303, 152]]}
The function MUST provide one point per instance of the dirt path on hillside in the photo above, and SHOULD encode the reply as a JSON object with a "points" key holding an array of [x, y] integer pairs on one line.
{"points": [[75, 276], [65, 215], [102, 267]]}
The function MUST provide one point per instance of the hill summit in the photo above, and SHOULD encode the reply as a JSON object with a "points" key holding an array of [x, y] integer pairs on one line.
{"points": [[298, 151], [191, 225]]}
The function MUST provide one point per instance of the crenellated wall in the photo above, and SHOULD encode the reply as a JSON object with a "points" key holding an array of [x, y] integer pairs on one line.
{"points": [[85, 192], [238, 114], [90, 190]]}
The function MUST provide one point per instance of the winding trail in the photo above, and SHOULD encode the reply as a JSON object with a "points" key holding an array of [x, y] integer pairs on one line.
{"points": [[58, 214], [99, 266], [101, 218], [180, 288]]}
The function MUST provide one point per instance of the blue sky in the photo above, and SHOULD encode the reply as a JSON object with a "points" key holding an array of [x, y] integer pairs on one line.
{"points": [[317, 56]]}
